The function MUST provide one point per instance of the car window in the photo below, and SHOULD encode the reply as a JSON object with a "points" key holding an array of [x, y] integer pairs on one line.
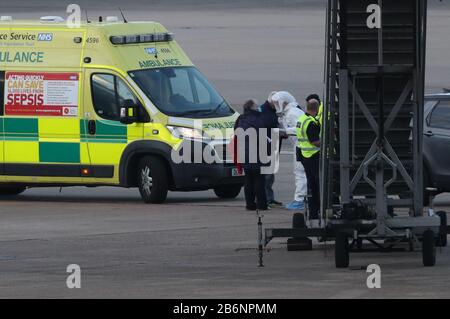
{"points": [[109, 94], [429, 104], [440, 117]]}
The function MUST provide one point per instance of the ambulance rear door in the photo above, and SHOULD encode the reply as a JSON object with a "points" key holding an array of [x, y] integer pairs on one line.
{"points": [[41, 126]]}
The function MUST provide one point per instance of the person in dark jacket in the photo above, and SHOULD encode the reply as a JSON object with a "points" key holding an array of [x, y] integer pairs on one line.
{"points": [[248, 155], [270, 118]]}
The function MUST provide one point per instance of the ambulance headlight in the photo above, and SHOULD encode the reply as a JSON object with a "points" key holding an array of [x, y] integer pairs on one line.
{"points": [[186, 132]]}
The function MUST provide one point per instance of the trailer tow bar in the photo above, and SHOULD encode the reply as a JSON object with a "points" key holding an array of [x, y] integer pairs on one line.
{"points": [[260, 240]]}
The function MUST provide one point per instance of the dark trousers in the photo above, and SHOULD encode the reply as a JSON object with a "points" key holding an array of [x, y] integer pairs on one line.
{"points": [[311, 166], [255, 189], [270, 180]]}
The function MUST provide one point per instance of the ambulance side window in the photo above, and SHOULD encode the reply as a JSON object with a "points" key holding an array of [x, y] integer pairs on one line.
{"points": [[109, 94]]}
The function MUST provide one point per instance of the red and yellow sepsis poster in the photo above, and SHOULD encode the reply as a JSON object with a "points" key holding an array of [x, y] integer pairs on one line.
{"points": [[41, 94]]}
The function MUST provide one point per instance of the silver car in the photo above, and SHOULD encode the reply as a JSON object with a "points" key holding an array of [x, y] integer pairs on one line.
{"points": [[436, 142]]}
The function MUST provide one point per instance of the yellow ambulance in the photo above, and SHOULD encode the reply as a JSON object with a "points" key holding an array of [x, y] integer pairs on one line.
{"points": [[106, 104]]}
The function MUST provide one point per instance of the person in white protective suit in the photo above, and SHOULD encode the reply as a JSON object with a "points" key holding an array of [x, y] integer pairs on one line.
{"points": [[290, 112]]}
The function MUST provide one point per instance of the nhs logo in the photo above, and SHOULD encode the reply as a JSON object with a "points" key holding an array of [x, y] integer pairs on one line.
{"points": [[45, 37], [151, 50]]}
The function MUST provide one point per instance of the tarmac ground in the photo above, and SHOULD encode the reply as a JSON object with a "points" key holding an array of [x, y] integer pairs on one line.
{"points": [[193, 246]]}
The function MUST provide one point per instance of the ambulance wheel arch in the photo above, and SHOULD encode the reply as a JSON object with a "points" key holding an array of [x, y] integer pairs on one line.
{"points": [[11, 190], [135, 152]]}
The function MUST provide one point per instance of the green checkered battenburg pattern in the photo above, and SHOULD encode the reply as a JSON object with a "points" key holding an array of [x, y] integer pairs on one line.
{"points": [[59, 149], [20, 129], [106, 132], [55, 152]]}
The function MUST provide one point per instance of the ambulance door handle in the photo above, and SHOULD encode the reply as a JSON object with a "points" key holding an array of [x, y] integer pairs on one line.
{"points": [[91, 127]]}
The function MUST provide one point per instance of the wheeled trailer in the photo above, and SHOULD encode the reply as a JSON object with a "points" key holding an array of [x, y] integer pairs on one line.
{"points": [[403, 233], [371, 138]]}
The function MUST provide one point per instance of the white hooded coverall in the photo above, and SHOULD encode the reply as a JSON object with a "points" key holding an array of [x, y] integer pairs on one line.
{"points": [[288, 122]]}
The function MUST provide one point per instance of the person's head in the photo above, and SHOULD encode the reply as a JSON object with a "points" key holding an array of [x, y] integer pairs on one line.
{"points": [[251, 105], [312, 107], [270, 99], [313, 97], [281, 100]]}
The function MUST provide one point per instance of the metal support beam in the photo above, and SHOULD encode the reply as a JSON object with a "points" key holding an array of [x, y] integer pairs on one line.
{"points": [[344, 142]]}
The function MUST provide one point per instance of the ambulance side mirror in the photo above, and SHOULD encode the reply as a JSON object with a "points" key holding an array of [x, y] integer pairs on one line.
{"points": [[129, 112]]}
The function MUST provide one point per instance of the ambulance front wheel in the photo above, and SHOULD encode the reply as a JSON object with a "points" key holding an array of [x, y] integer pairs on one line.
{"points": [[153, 180], [11, 191], [228, 192]]}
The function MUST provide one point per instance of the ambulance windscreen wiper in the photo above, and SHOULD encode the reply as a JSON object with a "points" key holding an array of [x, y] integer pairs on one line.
{"points": [[202, 111], [212, 111], [191, 112]]}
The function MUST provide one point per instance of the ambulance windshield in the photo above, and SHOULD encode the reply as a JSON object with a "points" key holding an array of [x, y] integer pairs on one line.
{"points": [[181, 91]]}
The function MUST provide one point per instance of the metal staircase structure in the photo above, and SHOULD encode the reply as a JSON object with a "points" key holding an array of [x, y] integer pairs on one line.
{"points": [[371, 137], [375, 89], [372, 140]]}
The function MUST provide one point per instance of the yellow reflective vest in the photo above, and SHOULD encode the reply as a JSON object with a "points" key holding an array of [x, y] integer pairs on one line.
{"points": [[308, 149], [319, 116]]}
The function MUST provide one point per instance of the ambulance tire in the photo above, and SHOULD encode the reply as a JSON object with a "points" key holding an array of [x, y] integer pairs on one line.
{"points": [[228, 192], [153, 180], [11, 191]]}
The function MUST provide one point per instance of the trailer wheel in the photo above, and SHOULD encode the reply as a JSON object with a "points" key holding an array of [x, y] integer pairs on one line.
{"points": [[429, 248], [442, 238], [228, 192], [11, 191], [341, 251], [152, 180]]}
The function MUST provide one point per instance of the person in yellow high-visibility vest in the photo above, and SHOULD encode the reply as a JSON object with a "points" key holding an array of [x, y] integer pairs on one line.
{"points": [[308, 136], [319, 116]]}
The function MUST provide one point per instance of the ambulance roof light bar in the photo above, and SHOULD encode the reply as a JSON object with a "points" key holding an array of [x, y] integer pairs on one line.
{"points": [[141, 38], [112, 19], [52, 19]]}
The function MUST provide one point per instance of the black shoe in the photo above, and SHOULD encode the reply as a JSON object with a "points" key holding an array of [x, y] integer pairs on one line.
{"points": [[250, 208], [275, 203]]}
